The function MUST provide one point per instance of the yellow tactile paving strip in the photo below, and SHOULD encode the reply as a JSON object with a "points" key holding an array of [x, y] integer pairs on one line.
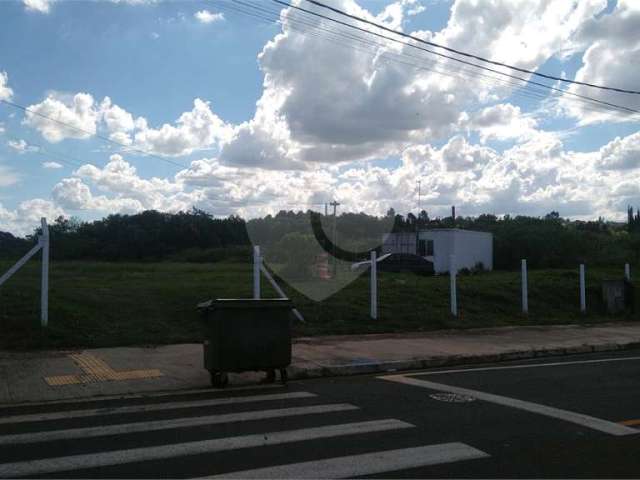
{"points": [[631, 423], [96, 370]]}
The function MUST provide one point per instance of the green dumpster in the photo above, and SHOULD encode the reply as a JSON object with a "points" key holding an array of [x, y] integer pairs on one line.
{"points": [[247, 335]]}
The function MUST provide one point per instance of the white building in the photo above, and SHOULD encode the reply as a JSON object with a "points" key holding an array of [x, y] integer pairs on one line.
{"points": [[469, 247]]}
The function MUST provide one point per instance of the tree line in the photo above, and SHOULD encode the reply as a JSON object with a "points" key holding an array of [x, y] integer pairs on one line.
{"points": [[546, 242]]}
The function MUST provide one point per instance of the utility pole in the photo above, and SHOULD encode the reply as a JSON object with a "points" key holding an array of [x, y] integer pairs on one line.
{"points": [[335, 205], [419, 197]]}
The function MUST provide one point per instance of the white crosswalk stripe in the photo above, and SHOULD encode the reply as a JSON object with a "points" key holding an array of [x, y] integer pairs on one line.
{"points": [[167, 424], [366, 464], [115, 457], [41, 417], [19, 435]]}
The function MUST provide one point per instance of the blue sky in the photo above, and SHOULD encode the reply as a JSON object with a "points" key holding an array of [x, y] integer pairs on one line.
{"points": [[153, 59]]}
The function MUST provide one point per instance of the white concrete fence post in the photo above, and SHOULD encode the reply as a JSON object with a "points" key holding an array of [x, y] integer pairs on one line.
{"points": [[525, 292], [454, 293], [583, 294], [43, 244], [257, 261], [627, 272], [374, 285], [44, 288]]}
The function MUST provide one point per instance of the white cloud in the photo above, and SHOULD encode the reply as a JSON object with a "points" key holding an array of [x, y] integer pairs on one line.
{"points": [[8, 176], [613, 42], [459, 155], [129, 192], [73, 194], [18, 145], [325, 108], [621, 153], [524, 33], [116, 118], [24, 219], [5, 91], [21, 146], [533, 177], [59, 117], [195, 130], [501, 122], [79, 116], [40, 6], [51, 165], [205, 16], [364, 107]]}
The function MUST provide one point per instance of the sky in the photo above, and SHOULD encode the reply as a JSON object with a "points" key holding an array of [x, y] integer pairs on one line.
{"points": [[249, 107]]}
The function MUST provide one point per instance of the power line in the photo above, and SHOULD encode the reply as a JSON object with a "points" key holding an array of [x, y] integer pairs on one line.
{"points": [[469, 55], [65, 158], [334, 36], [524, 90], [527, 89], [87, 132], [325, 17]]}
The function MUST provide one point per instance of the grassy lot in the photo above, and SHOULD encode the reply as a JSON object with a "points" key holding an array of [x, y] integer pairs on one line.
{"points": [[107, 304]]}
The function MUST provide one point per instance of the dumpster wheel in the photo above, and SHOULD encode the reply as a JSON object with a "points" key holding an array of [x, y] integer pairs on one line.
{"points": [[219, 379]]}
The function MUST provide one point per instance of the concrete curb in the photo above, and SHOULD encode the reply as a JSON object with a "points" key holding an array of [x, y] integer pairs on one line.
{"points": [[299, 373], [303, 368]]}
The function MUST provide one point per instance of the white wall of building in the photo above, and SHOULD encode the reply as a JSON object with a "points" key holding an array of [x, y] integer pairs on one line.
{"points": [[469, 248]]}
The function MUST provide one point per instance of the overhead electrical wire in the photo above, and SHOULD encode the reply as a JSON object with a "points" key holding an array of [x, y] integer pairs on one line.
{"points": [[524, 90], [58, 157], [528, 88], [333, 36], [291, 21], [515, 77], [33, 147], [92, 134], [469, 55]]}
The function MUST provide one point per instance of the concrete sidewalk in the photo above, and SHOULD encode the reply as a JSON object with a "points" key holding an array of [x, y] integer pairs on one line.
{"points": [[60, 375]]}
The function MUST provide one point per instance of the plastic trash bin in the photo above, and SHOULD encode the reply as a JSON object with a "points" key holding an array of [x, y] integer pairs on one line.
{"points": [[247, 335]]}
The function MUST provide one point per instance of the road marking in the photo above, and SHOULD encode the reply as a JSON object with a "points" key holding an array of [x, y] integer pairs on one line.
{"points": [[510, 367], [155, 425], [566, 415], [452, 398], [366, 464], [630, 423], [96, 370], [117, 457], [154, 407]]}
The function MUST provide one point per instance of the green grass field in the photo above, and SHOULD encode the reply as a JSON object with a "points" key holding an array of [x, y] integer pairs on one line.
{"points": [[106, 304]]}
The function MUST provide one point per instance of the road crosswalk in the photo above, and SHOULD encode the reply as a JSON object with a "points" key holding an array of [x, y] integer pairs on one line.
{"points": [[211, 436]]}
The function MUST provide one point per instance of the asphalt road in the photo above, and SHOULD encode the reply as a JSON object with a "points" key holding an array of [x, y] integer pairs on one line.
{"points": [[575, 416]]}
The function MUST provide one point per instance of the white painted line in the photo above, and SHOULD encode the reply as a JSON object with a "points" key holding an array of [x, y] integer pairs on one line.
{"points": [[366, 464], [510, 367], [566, 415], [147, 426], [117, 457], [153, 407]]}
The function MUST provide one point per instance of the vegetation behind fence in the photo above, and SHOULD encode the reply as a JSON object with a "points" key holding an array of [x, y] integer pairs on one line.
{"points": [[547, 242]]}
